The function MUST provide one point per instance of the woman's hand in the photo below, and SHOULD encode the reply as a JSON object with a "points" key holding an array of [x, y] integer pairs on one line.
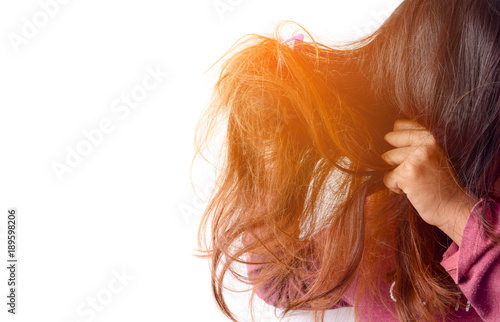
{"points": [[422, 173]]}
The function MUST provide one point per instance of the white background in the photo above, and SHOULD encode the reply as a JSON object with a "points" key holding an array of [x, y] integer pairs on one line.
{"points": [[127, 207]]}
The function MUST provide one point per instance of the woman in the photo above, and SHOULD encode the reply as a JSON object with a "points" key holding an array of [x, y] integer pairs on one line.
{"points": [[365, 175]]}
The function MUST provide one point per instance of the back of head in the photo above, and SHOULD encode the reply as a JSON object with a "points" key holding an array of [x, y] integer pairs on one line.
{"points": [[304, 130], [438, 62]]}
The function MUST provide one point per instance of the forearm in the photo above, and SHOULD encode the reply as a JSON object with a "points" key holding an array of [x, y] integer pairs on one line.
{"points": [[457, 212]]}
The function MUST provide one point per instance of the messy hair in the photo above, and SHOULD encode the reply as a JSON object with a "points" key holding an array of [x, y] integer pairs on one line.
{"points": [[303, 137]]}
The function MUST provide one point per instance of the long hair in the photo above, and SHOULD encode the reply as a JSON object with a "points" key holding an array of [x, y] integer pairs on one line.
{"points": [[304, 129]]}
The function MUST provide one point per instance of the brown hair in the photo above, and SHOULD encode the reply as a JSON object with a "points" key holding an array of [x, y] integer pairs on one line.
{"points": [[304, 131]]}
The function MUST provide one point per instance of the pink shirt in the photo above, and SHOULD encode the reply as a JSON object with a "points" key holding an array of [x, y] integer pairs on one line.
{"points": [[474, 266]]}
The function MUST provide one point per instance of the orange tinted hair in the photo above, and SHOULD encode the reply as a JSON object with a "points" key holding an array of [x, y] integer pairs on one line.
{"points": [[301, 154]]}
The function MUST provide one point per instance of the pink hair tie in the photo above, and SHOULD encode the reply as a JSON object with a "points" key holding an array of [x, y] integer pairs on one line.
{"points": [[294, 40], [291, 43]]}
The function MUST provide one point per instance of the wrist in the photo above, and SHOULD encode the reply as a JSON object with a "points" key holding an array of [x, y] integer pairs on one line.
{"points": [[457, 215]]}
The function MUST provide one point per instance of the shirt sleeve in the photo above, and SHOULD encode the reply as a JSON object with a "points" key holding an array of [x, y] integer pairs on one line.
{"points": [[291, 286], [475, 265]]}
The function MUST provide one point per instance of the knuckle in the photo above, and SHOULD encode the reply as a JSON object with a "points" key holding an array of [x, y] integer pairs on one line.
{"points": [[424, 152], [432, 139], [411, 170], [388, 179]]}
